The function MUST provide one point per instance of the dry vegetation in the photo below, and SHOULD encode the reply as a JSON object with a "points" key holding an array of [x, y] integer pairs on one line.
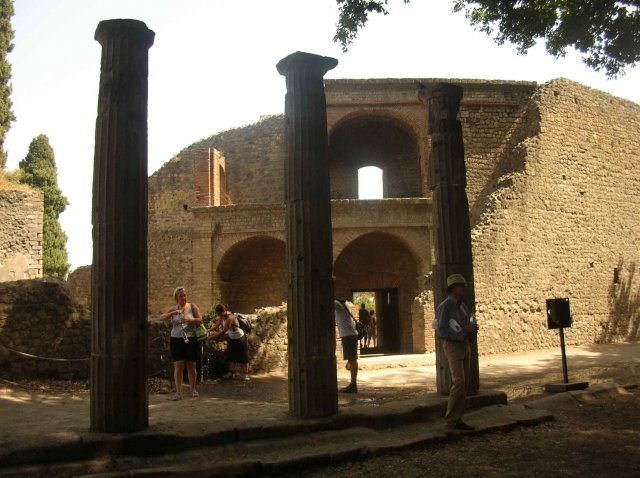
{"points": [[10, 180]]}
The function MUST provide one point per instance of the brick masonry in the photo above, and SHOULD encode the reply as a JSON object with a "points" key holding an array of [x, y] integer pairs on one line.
{"points": [[41, 318], [562, 222], [552, 175], [21, 213]]}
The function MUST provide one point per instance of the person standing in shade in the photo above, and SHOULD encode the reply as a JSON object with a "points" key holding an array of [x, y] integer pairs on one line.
{"points": [[349, 336], [372, 333], [456, 328], [185, 318], [365, 320]]}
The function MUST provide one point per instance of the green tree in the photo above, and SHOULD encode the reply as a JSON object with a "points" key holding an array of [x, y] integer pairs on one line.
{"points": [[6, 113], [39, 170], [605, 32]]}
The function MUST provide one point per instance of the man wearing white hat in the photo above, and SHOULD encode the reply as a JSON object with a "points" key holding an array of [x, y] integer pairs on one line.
{"points": [[455, 329]]}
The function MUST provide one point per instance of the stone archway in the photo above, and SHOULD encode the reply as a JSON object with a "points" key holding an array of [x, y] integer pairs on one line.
{"points": [[380, 261], [253, 274], [376, 141]]}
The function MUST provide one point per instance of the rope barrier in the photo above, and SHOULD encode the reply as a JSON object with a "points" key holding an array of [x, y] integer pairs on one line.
{"points": [[54, 359]]}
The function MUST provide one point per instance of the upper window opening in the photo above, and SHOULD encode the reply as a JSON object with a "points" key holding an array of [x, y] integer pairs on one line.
{"points": [[370, 183]]}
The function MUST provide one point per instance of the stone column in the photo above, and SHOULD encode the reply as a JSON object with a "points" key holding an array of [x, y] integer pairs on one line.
{"points": [[119, 399], [311, 324], [451, 226]]}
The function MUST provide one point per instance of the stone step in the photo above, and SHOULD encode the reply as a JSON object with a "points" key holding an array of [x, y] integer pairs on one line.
{"points": [[292, 453], [272, 442]]}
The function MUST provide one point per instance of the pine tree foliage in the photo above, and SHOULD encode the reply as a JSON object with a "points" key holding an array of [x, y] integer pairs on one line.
{"points": [[605, 32], [6, 45], [39, 170]]}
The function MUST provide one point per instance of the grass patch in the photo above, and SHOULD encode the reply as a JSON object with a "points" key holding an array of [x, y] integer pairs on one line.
{"points": [[10, 180]]}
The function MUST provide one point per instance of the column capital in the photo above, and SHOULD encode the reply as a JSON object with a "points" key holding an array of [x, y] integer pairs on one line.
{"points": [[300, 59], [124, 27], [430, 90], [443, 103]]}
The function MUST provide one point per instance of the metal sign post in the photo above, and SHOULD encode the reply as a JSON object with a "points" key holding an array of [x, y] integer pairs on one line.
{"points": [[559, 317]]}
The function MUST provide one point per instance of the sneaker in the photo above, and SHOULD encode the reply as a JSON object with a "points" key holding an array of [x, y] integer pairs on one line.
{"points": [[351, 388], [228, 375], [246, 377], [176, 397], [460, 425], [194, 393]]}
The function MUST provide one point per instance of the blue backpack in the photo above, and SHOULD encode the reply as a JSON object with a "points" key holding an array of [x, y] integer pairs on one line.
{"points": [[244, 323]]}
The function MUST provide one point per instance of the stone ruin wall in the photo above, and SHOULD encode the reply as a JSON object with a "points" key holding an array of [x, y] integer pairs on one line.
{"points": [[561, 223], [254, 168], [491, 114], [535, 233], [40, 317], [170, 263], [254, 175], [21, 214], [79, 284]]}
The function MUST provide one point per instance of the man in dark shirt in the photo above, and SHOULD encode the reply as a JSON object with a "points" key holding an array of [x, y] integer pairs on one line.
{"points": [[365, 320]]}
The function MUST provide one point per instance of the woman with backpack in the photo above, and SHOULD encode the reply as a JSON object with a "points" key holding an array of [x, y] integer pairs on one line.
{"points": [[185, 318], [237, 349]]}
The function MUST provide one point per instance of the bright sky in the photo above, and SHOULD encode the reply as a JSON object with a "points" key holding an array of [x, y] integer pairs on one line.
{"points": [[212, 68]]}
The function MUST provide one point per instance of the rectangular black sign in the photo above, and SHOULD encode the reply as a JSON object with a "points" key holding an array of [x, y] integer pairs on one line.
{"points": [[558, 313]]}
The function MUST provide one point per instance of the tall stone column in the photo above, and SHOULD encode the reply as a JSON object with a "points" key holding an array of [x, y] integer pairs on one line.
{"points": [[311, 327], [119, 399], [451, 225]]}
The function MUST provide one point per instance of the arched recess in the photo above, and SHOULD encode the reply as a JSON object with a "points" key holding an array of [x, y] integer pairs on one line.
{"points": [[381, 262], [374, 141], [253, 274]]}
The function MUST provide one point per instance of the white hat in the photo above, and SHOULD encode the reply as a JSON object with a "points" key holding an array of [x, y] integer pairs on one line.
{"points": [[454, 279]]}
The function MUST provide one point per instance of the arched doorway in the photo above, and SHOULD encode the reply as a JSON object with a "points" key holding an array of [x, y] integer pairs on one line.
{"points": [[379, 142], [253, 274], [381, 263]]}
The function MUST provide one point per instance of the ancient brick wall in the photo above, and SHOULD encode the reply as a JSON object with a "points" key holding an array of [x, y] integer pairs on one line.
{"points": [[21, 234], [379, 143], [533, 229], [171, 195], [254, 160], [253, 274], [79, 284], [45, 332], [563, 223], [268, 340], [490, 113], [179, 245], [39, 317]]}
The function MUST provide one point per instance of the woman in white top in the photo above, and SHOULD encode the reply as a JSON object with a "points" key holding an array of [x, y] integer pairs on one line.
{"points": [[185, 318], [237, 350]]}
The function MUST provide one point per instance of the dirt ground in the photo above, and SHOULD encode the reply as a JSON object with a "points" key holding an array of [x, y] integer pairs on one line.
{"points": [[600, 438], [596, 438]]}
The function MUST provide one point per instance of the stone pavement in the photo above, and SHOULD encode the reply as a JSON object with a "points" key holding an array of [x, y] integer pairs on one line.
{"points": [[248, 423]]}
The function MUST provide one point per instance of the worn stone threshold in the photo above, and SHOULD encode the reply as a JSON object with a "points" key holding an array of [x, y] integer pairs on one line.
{"points": [[293, 453]]}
